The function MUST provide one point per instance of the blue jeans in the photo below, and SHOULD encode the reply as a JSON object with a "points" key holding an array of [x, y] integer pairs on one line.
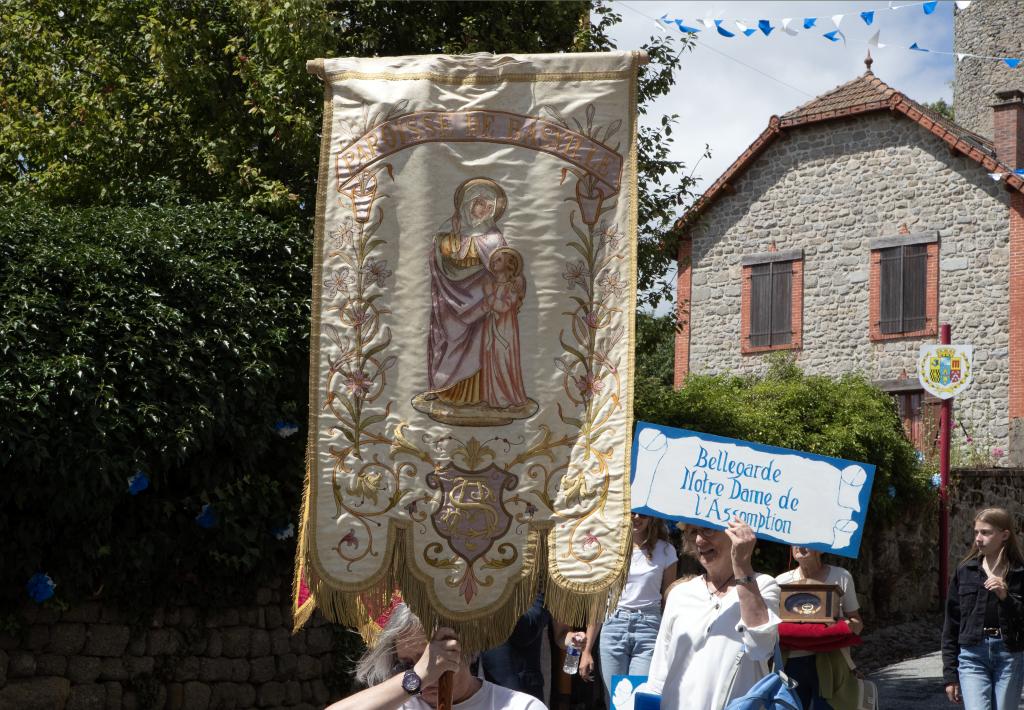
{"points": [[627, 643], [990, 676]]}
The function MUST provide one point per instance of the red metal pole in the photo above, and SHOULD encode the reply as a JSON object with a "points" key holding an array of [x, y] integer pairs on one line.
{"points": [[945, 422]]}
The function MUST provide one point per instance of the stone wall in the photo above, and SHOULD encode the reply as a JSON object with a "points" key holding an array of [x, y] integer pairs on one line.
{"points": [[94, 657], [975, 489], [830, 189], [990, 28]]}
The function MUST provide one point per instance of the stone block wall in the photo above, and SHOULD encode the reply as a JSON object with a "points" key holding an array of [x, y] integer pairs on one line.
{"points": [[975, 489], [989, 28], [830, 189], [94, 657]]}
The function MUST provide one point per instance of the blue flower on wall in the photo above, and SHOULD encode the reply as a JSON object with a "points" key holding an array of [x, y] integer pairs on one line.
{"points": [[138, 483], [285, 429], [936, 480], [920, 456], [285, 532], [207, 517], [40, 587]]}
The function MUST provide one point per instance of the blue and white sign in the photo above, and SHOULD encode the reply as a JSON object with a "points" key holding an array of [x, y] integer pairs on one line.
{"points": [[624, 689], [787, 496]]}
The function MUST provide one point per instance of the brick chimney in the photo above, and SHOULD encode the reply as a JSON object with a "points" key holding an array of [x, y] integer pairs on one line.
{"points": [[1008, 127]]}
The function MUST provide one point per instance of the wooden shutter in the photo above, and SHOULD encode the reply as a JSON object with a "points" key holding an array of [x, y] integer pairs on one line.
{"points": [[760, 305], [904, 288], [891, 287], [782, 282], [915, 286], [770, 313]]}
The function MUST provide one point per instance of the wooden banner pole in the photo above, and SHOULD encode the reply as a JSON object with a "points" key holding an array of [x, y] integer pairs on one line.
{"points": [[444, 691]]}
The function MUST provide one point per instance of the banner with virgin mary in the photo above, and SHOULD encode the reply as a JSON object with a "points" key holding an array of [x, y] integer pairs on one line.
{"points": [[472, 336]]}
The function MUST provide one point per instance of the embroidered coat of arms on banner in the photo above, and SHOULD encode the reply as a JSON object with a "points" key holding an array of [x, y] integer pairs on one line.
{"points": [[472, 335]]}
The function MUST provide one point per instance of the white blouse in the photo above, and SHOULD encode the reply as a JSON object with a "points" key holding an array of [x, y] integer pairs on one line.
{"points": [[699, 640]]}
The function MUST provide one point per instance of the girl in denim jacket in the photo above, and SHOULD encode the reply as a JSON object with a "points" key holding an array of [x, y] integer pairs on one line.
{"points": [[983, 636]]}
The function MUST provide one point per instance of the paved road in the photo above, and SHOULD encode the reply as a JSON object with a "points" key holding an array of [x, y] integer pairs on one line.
{"points": [[912, 685]]}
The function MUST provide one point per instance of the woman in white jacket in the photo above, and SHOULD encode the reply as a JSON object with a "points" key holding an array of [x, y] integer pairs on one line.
{"points": [[719, 627]]}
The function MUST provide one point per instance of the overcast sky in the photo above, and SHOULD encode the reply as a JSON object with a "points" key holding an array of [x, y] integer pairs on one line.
{"points": [[728, 89]]}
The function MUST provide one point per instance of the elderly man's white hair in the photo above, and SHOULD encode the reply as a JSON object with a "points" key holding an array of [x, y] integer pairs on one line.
{"points": [[378, 663]]}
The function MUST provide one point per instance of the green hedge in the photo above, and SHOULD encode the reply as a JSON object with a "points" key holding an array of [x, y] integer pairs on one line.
{"points": [[167, 340]]}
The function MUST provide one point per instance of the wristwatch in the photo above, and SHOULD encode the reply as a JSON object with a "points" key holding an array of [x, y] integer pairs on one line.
{"points": [[749, 579], [411, 682]]}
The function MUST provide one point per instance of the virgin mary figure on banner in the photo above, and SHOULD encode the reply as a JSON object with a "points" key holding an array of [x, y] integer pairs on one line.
{"points": [[473, 363]]}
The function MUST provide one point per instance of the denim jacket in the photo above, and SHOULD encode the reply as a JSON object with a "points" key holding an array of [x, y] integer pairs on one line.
{"points": [[965, 614]]}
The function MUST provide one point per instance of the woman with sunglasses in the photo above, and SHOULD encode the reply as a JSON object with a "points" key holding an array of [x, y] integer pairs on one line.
{"points": [[983, 635], [628, 634], [718, 627]]}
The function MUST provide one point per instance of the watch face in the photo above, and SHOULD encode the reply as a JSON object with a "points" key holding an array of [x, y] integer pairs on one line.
{"points": [[411, 682]]}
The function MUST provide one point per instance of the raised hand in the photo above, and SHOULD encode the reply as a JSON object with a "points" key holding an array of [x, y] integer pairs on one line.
{"points": [[443, 653]]}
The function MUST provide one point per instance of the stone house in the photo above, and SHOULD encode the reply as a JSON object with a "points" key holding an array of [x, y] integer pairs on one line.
{"points": [[848, 231]]}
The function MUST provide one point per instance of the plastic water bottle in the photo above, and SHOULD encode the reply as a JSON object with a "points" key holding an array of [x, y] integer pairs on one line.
{"points": [[572, 660]]}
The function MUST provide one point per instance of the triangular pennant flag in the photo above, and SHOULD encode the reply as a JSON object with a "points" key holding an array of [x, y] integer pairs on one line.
{"points": [[834, 36], [996, 176], [686, 28], [664, 18], [963, 4], [1012, 63], [960, 56], [809, 22], [1019, 171], [708, 23], [868, 17], [836, 19], [918, 49], [787, 29], [929, 7], [721, 30], [765, 26], [873, 41], [747, 31]]}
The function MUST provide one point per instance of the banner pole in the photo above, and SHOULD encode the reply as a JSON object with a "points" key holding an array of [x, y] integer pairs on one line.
{"points": [[945, 427], [444, 691]]}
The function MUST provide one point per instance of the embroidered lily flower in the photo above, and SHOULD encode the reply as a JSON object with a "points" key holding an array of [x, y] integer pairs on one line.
{"points": [[138, 483], [283, 533], [592, 320], [358, 383], [40, 587], [613, 282], [285, 429], [611, 235], [588, 385], [377, 271], [341, 237], [207, 517], [575, 272], [338, 282]]}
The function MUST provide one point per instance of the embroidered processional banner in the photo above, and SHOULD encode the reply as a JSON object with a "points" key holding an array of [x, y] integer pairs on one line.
{"points": [[471, 346]]}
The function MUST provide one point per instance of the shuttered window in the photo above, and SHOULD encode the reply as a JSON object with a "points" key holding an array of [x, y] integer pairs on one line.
{"points": [[771, 286], [904, 287]]}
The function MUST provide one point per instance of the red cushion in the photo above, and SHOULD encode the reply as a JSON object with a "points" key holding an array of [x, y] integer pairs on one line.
{"points": [[816, 637]]}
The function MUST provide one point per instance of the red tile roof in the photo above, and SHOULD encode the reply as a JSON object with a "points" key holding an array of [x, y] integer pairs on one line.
{"points": [[864, 94]]}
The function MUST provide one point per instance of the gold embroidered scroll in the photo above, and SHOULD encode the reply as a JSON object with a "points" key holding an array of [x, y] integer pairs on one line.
{"points": [[472, 334]]}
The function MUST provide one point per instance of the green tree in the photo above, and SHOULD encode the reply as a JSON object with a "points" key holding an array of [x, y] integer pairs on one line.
{"points": [[942, 108], [127, 102], [655, 348]]}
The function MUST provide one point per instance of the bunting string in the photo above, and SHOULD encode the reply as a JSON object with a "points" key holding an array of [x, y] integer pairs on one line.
{"points": [[733, 28]]}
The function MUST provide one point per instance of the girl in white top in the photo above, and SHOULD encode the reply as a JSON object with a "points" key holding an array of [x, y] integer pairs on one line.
{"points": [[629, 633], [719, 627]]}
